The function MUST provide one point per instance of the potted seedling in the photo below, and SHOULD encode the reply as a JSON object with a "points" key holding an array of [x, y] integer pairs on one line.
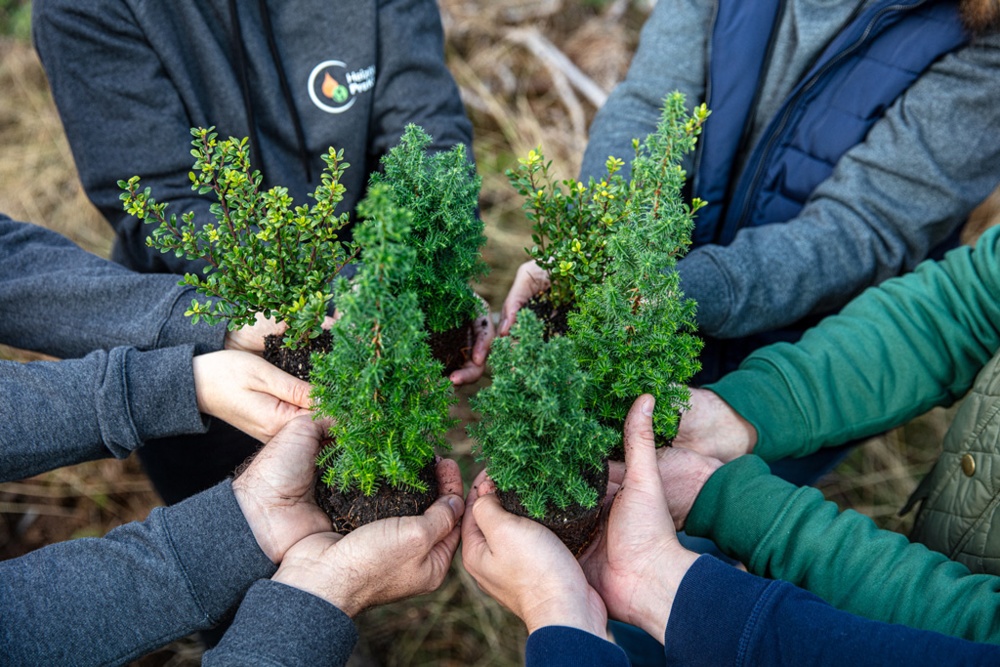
{"points": [[263, 253], [545, 452], [633, 331], [379, 383], [442, 191]]}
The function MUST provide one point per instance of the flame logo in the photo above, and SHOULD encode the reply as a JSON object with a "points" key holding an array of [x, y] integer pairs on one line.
{"points": [[329, 85]]}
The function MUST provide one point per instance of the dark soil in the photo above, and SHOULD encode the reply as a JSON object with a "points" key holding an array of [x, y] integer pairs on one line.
{"points": [[576, 526], [454, 347], [295, 362], [352, 509], [556, 320]]}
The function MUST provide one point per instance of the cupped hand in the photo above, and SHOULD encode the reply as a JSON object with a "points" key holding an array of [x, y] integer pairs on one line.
{"points": [[275, 491], [529, 281], [525, 567], [251, 394], [474, 368], [251, 337], [711, 427], [383, 561], [636, 563]]}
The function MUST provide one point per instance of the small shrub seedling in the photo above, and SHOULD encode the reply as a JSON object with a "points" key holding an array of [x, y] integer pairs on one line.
{"points": [[264, 254], [536, 437], [379, 382], [442, 192]]}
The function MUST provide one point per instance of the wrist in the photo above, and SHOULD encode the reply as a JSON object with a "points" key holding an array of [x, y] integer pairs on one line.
{"points": [[655, 597], [336, 590], [569, 613]]}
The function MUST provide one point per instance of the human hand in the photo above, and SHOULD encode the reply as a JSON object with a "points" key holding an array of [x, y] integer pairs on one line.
{"points": [[383, 561], [712, 428], [476, 365], [275, 491], [523, 566], [251, 337], [529, 281], [636, 563], [251, 394]]}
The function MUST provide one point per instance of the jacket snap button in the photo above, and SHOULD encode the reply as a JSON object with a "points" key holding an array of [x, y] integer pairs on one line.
{"points": [[968, 465]]}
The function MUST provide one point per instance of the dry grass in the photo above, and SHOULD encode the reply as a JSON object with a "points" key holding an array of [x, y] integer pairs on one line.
{"points": [[505, 56]]}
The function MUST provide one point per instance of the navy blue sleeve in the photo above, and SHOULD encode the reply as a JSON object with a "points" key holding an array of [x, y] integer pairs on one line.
{"points": [[725, 616], [280, 625], [556, 645]]}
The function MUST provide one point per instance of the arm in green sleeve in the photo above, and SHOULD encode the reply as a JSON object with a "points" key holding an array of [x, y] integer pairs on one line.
{"points": [[791, 533], [893, 353]]}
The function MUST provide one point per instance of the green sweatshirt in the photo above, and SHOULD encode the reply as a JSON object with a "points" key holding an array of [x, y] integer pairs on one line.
{"points": [[897, 350]]}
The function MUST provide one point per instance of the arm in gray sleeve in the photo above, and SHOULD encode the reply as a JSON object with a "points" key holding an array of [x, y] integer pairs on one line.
{"points": [[110, 600], [105, 404], [414, 85], [921, 170], [671, 56], [279, 625], [59, 299]]}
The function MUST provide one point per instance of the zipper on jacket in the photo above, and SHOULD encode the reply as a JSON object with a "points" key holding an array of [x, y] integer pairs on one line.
{"points": [[773, 136]]}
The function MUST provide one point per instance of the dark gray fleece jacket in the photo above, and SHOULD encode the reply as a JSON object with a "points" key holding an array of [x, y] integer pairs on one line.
{"points": [[127, 347], [131, 77]]}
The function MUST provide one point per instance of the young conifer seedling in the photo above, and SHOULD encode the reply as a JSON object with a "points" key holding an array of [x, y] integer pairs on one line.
{"points": [[634, 331], [379, 383], [263, 254], [546, 454], [442, 192]]}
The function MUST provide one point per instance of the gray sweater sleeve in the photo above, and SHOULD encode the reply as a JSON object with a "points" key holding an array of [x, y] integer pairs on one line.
{"points": [[59, 299], [919, 173], [278, 625], [107, 403], [110, 600]]}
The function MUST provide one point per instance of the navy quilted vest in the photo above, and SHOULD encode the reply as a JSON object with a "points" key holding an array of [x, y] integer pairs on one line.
{"points": [[882, 51]]}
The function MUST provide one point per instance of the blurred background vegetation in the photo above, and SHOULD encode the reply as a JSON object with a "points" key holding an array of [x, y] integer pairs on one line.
{"points": [[532, 72]]}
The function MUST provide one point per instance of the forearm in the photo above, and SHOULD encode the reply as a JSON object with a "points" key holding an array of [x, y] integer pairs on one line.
{"points": [[113, 599], [280, 625], [724, 616], [667, 60], [61, 300], [105, 404], [854, 375], [915, 178], [784, 532]]}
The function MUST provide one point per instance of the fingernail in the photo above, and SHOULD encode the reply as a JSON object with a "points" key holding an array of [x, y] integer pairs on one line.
{"points": [[456, 504], [648, 405]]}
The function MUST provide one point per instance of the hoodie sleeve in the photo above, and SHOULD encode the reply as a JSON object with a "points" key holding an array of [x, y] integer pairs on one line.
{"points": [[105, 404], [111, 600], [59, 299], [723, 616], [414, 85]]}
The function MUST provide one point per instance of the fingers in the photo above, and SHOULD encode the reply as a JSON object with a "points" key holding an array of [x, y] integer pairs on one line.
{"points": [[640, 448], [467, 374], [488, 513], [529, 281], [449, 478], [485, 333], [441, 518], [281, 385]]}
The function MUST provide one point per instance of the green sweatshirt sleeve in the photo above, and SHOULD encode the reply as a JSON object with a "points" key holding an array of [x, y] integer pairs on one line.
{"points": [[791, 533], [913, 343]]}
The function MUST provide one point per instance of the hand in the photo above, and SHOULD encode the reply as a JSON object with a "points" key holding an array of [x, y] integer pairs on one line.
{"points": [[485, 333], [636, 563], [275, 491], [712, 428], [244, 390], [683, 474], [524, 566], [530, 280], [383, 561], [251, 337]]}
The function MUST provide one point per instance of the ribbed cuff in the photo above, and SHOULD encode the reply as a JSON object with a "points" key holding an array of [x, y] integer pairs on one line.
{"points": [[556, 645], [216, 549], [161, 394]]}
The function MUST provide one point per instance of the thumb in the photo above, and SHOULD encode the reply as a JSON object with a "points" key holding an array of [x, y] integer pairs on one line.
{"points": [[442, 517], [641, 470], [283, 386]]}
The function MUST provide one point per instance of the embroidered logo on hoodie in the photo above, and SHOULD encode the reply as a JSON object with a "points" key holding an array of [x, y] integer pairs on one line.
{"points": [[334, 88]]}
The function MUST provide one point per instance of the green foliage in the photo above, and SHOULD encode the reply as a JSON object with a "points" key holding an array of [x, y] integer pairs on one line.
{"points": [[263, 255], [379, 383], [535, 434], [442, 191], [634, 330], [15, 18]]}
